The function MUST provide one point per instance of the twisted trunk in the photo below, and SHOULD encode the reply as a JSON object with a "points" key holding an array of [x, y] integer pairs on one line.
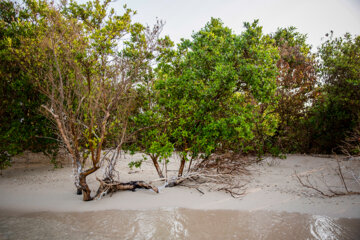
{"points": [[83, 184], [85, 188]]}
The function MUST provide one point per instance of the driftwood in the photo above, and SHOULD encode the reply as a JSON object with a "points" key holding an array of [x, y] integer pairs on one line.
{"points": [[109, 187]]}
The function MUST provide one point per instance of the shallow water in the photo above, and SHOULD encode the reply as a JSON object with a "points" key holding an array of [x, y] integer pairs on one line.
{"points": [[175, 224]]}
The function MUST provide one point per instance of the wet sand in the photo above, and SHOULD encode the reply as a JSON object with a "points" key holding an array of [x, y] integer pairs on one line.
{"points": [[40, 202], [176, 224]]}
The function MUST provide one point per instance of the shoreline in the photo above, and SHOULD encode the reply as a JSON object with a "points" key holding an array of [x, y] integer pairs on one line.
{"points": [[176, 224]]}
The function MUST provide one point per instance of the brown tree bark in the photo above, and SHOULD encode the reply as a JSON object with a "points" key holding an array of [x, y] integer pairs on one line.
{"points": [[182, 165], [156, 164], [85, 188]]}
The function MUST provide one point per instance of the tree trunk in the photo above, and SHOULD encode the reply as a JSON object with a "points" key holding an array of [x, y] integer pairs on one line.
{"points": [[156, 164], [182, 165], [82, 179], [77, 172], [85, 188]]}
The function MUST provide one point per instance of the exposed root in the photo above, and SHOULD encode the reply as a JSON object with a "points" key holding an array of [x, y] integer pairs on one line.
{"points": [[227, 163], [224, 172], [219, 172], [109, 187]]}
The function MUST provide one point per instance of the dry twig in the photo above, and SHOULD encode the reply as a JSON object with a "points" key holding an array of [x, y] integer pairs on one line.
{"points": [[329, 192], [220, 172]]}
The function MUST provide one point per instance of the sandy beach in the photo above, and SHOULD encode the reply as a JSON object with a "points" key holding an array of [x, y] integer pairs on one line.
{"points": [[33, 185], [39, 202]]}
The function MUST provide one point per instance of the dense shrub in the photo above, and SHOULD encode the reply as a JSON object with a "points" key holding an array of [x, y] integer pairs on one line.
{"points": [[336, 111], [296, 90], [22, 126]]}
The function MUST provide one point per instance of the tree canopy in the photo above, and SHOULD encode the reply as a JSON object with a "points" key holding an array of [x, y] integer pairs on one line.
{"points": [[88, 80]]}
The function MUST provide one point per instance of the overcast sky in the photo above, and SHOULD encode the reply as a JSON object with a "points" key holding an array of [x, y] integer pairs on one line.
{"points": [[313, 17]]}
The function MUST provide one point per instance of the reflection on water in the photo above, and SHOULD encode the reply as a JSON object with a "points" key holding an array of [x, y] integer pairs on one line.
{"points": [[175, 224], [326, 228]]}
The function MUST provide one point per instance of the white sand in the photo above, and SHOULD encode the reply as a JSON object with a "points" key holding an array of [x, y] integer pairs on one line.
{"points": [[32, 185]]}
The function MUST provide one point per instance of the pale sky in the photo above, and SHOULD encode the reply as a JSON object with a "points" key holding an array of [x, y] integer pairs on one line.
{"points": [[312, 17]]}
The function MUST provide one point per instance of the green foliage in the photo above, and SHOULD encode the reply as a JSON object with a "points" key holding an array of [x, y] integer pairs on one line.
{"points": [[136, 164], [88, 61], [147, 123], [78, 69], [107, 82], [213, 92], [337, 110], [22, 127]]}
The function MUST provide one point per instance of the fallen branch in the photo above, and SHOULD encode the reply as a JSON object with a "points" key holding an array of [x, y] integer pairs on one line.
{"points": [[232, 192], [310, 186], [109, 187], [200, 191], [329, 192]]}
